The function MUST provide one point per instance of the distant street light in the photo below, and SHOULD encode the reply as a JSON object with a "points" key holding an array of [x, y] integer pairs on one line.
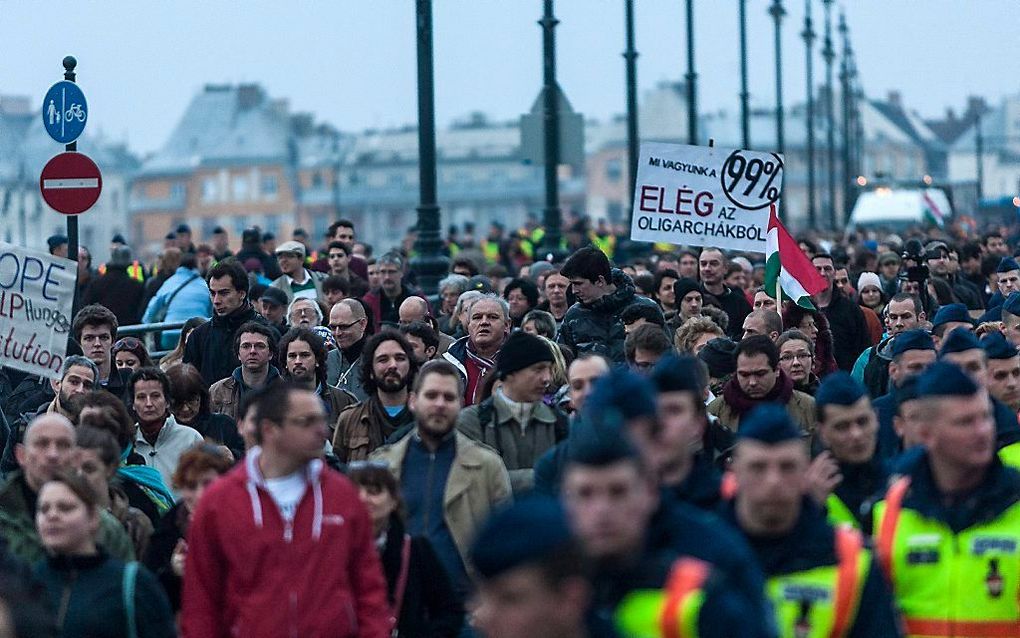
{"points": [[777, 12], [808, 34]]}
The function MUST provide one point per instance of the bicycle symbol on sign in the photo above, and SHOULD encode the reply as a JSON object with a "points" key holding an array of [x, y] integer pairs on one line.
{"points": [[75, 112]]}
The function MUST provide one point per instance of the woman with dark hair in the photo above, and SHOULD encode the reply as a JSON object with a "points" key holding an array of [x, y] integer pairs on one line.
{"points": [[198, 467], [522, 296], [94, 594], [418, 588], [816, 326], [129, 353], [189, 403], [176, 355]]}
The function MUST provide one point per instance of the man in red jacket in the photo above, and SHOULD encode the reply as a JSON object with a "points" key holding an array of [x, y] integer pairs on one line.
{"points": [[281, 545]]}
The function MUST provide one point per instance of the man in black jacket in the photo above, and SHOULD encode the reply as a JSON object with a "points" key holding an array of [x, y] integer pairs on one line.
{"points": [[593, 324], [846, 321], [712, 269], [210, 346], [117, 290]]}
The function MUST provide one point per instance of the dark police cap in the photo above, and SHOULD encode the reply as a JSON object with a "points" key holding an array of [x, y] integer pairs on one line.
{"points": [[273, 295], [601, 442], [218, 231], [906, 391], [1012, 303], [951, 312], [915, 339], [531, 529], [997, 346], [56, 240], [183, 228], [678, 374], [839, 388], [768, 423], [118, 239], [481, 283], [959, 340], [625, 392], [1007, 264], [944, 379]]}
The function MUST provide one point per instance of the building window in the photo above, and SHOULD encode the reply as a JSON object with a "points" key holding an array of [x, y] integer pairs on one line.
{"points": [[614, 170], [210, 190], [272, 224], [240, 223], [270, 186], [316, 180], [208, 224], [177, 191], [239, 188], [320, 224]]}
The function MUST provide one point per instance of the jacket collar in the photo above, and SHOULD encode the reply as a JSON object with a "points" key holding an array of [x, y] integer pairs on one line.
{"points": [[539, 411], [255, 481], [998, 492]]}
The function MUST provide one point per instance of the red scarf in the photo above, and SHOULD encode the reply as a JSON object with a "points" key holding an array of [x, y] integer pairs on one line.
{"points": [[742, 404]]}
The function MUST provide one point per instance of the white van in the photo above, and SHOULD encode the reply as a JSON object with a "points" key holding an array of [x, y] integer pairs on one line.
{"points": [[897, 208]]}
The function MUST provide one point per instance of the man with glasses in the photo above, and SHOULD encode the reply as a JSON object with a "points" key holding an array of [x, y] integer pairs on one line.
{"points": [[282, 529], [297, 281], [850, 334], [385, 300], [304, 313], [349, 324], [255, 347]]}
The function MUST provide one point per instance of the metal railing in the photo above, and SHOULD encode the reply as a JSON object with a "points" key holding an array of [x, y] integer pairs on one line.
{"points": [[147, 333]]}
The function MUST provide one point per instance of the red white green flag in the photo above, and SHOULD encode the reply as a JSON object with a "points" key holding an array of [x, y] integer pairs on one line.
{"points": [[787, 268]]}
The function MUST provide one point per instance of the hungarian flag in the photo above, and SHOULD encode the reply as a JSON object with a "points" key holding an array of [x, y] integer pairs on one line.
{"points": [[787, 266]]}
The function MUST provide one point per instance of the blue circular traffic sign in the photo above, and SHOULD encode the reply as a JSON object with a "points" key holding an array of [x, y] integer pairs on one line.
{"points": [[64, 112]]}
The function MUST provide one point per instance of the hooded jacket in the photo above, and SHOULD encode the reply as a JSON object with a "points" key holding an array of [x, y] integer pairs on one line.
{"points": [[596, 327], [211, 346], [320, 574]]}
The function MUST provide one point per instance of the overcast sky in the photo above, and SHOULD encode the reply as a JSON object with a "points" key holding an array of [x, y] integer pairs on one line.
{"points": [[352, 62]]}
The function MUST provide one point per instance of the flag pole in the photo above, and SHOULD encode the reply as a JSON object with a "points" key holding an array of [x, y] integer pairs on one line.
{"points": [[779, 277]]}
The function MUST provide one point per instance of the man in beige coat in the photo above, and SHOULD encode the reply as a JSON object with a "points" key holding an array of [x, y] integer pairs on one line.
{"points": [[759, 379], [449, 482]]}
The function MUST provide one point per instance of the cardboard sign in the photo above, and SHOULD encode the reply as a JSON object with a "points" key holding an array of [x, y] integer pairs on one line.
{"points": [[705, 196], [36, 298]]}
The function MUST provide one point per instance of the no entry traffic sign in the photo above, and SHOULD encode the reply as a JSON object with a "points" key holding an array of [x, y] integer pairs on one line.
{"points": [[70, 183]]}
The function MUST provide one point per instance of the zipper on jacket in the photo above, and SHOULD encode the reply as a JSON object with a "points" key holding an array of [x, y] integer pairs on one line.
{"points": [[428, 492], [65, 598], [293, 615], [288, 530]]}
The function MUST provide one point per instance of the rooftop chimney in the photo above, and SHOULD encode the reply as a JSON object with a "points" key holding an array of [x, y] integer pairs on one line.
{"points": [[249, 96], [895, 99]]}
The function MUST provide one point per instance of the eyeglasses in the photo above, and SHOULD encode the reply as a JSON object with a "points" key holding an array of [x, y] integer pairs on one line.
{"points": [[786, 358], [336, 327], [303, 312]]}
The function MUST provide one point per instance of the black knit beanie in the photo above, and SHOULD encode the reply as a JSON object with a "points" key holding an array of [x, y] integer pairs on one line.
{"points": [[520, 351]]}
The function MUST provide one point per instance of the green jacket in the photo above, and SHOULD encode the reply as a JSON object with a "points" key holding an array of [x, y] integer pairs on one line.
{"points": [[17, 525]]}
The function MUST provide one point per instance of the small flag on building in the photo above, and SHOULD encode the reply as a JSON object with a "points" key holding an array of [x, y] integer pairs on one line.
{"points": [[932, 212], [787, 269]]}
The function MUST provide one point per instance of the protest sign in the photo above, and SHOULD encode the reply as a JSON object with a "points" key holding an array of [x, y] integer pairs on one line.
{"points": [[36, 297], [705, 196]]}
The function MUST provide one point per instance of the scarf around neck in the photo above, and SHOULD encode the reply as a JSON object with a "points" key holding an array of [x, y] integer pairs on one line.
{"points": [[742, 404]]}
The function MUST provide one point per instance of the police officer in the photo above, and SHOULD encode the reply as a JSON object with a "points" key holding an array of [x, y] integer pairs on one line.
{"points": [[821, 580], [948, 532], [912, 352], [847, 472]]}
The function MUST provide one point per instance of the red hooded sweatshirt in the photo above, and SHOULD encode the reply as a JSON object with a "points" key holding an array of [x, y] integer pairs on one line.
{"points": [[250, 573]]}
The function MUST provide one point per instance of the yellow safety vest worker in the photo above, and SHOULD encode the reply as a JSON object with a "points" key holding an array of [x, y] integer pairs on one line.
{"points": [[947, 583], [822, 602], [606, 244], [1010, 456], [490, 250], [838, 513], [136, 271], [671, 612]]}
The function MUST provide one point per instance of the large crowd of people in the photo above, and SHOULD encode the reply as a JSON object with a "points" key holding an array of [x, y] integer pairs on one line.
{"points": [[557, 444]]}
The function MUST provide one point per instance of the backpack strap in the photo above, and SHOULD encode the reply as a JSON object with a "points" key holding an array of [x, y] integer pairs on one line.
{"points": [[130, 578], [487, 410]]}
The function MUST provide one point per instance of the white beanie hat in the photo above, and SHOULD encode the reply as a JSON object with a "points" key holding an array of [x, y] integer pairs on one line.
{"points": [[868, 279]]}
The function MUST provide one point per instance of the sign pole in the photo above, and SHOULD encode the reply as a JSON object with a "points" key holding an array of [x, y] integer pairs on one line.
{"points": [[69, 63]]}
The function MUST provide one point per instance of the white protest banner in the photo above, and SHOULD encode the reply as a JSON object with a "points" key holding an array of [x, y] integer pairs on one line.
{"points": [[705, 196], [36, 297]]}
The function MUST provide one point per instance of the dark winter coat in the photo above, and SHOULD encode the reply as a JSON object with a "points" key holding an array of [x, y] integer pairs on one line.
{"points": [[119, 292], [850, 336], [429, 608], [211, 345], [596, 327], [91, 588]]}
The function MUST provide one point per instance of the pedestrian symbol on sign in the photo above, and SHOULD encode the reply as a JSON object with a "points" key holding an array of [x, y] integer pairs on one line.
{"points": [[64, 112]]}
